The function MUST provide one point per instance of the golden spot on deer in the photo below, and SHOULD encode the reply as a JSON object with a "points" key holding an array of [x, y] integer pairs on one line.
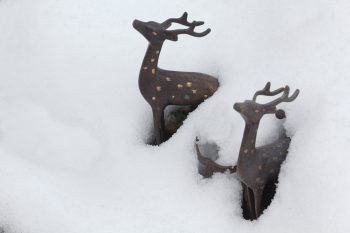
{"points": [[205, 96], [194, 91], [245, 151], [158, 88], [187, 97], [152, 60], [179, 86], [257, 111], [260, 167], [153, 98], [189, 84], [145, 67], [168, 79], [153, 71], [154, 33], [173, 97], [157, 52]]}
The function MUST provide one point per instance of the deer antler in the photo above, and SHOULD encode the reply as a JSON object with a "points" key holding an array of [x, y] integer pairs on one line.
{"points": [[284, 98], [266, 91], [183, 20]]}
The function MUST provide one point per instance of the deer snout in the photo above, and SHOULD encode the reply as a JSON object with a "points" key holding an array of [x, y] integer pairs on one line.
{"points": [[137, 24], [237, 107]]}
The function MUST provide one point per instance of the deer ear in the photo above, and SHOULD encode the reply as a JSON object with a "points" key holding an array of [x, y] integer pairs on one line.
{"points": [[171, 36], [280, 114]]}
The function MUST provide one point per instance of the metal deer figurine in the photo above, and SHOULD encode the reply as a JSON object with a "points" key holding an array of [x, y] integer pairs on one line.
{"points": [[160, 87], [257, 166]]}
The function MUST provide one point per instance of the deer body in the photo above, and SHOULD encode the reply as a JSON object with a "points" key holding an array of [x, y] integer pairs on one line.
{"points": [[257, 166], [262, 162], [163, 87], [172, 86]]}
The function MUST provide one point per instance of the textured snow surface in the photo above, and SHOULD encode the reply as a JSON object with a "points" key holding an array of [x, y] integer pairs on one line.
{"points": [[73, 124]]}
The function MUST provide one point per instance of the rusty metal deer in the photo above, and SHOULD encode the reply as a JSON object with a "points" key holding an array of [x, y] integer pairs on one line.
{"points": [[161, 88], [256, 166]]}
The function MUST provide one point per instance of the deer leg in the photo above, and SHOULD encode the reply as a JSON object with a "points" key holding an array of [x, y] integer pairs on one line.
{"points": [[158, 121], [249, 201], [245, 201], [257, 198]]}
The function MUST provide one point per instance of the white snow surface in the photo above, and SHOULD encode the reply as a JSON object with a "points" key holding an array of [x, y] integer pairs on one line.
{"points": [[73, 124]]}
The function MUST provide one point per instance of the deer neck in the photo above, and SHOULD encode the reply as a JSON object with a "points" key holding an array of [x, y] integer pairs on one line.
{"points": [[249, 138], [150, 61]]}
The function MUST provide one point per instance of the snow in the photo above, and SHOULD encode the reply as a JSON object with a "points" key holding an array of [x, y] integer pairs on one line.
{"points": [[73, 124]]}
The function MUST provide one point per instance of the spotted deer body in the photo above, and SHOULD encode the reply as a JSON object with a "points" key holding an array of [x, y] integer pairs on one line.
{"points": [[161, 88], [256, 166]]}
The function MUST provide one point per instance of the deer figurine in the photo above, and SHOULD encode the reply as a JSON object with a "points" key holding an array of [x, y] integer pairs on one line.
{"points": [[161, 88], [257, 166]]}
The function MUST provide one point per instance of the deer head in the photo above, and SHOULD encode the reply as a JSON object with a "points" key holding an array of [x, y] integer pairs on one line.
{"points": [[252, 112], [158, 32]]}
